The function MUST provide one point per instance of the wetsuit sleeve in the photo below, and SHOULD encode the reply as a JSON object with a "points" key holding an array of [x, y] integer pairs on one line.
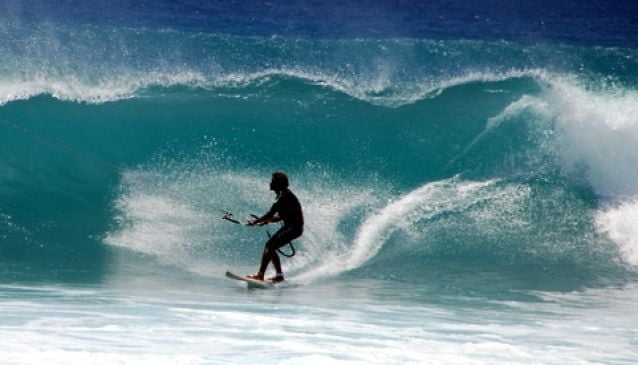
{"points": [[271, 213]]}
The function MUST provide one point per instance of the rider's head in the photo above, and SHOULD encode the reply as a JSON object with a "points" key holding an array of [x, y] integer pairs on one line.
{"points": [[279, 182]]}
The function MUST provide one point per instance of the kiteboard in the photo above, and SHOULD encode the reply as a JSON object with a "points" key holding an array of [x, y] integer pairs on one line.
{"points": [[252, 283]]}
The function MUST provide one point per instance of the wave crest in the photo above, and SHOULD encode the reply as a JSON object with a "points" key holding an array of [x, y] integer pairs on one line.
{"points": [[378, 91]]}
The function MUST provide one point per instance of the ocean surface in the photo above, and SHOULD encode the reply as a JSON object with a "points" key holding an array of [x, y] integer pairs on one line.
{"points": [[468, 173]]}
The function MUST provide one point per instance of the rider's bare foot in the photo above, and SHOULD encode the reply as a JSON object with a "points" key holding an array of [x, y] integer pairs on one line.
{"points": [[255, 277]]}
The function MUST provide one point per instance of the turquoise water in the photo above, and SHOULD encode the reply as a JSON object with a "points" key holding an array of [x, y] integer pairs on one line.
{"points": [[467, 200]]}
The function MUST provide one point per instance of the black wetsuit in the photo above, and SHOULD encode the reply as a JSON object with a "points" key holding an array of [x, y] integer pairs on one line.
{"points": [[288, 208]]}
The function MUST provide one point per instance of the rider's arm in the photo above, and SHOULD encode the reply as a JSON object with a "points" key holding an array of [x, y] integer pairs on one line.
{"points": [[269, 217]]}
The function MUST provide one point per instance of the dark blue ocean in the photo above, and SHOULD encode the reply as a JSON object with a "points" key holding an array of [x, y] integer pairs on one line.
{"points": [[468, 173]]}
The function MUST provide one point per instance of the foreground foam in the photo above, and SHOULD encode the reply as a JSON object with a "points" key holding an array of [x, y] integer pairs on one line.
{"points": [[68, 326]]}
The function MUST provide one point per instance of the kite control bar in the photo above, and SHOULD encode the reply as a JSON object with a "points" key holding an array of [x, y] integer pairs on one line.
{"points": [[229, 217]]}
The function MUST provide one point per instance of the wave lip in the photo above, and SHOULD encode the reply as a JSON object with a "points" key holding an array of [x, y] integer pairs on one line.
{"points": [[376, 91], [99, 63], [104, 90]]}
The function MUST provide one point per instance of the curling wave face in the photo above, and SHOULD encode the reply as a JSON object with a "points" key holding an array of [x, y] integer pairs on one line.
{"points": [[478, 152]]}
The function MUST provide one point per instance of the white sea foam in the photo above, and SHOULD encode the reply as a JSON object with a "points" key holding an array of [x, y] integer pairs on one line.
{"points": [[420, 204], [174, 215], [618, 221], [157, 225], [600, 131], [225, 325], [323, 241]]}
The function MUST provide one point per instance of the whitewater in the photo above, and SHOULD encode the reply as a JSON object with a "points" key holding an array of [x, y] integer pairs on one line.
{"points": [[470, 194]]}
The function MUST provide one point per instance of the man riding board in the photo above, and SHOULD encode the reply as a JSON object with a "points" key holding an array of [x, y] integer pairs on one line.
{"points": [[287, 209]]}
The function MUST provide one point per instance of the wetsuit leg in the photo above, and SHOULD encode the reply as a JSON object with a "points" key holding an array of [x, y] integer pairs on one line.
{"points": [[278, 240]]}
